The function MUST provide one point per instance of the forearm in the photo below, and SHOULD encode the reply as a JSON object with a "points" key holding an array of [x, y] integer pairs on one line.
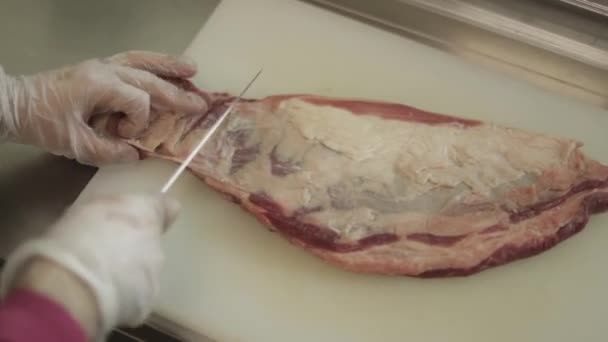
{"points": [[62, 287], [34, 310], [29, 316]]}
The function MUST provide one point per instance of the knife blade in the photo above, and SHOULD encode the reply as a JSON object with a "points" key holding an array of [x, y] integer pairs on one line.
{"points": [[205, 138]]}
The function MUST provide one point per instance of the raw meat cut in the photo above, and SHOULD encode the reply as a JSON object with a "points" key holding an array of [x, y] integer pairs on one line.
{"points": [[387, 188]]}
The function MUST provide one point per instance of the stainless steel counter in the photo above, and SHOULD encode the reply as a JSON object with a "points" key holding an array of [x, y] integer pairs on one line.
{"points": [[561, 46], [41, 34]]}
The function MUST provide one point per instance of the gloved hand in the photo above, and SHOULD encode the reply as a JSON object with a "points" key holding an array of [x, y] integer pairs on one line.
{"points": [[51, 110], [113, 245]]}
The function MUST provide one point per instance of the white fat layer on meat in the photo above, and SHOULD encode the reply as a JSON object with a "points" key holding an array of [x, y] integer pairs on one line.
{"points": [[369, 174]]}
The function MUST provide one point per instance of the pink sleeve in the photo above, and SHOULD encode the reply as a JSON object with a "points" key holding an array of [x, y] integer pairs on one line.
{"points": [[29, 316]]}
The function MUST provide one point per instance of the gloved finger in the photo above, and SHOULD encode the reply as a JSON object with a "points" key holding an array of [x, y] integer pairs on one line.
{"points": [[130, 100], [158, 211], [172, 209], [94, 150], [162, 92], [156, 63], [149, 213]]}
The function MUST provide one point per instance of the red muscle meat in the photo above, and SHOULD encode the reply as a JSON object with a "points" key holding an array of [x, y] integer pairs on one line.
{"points": [[387, 188]]}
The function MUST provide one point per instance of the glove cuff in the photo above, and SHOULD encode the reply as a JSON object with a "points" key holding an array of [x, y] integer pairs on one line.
{"points": [[105, 296], [7, 106]]}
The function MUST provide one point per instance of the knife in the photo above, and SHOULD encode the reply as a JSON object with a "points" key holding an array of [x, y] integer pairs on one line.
{"points": [[205, 138]]}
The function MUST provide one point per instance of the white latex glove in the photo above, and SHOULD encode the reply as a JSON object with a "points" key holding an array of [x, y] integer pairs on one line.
{"points": [[113, 245], [51, 110]]}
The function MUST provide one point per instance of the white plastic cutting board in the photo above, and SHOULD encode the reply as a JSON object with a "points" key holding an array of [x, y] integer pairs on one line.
{"points": [[229, 278]]}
